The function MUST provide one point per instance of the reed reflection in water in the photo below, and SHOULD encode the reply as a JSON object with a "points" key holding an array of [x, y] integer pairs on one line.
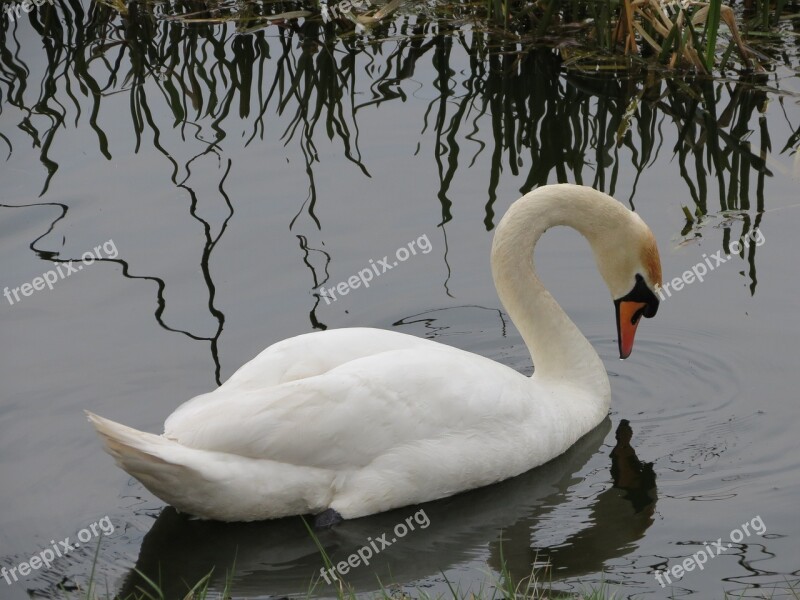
{"points": [[545, 125]]}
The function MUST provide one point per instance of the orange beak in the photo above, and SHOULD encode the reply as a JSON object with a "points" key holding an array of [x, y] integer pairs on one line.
{"points": [[628, 315]]}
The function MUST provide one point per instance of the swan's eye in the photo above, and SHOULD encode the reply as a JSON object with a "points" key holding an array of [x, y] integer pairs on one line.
{"points": [[642, 293]]}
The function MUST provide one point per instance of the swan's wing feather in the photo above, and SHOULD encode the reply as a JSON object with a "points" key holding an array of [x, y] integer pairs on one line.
{"points": [[297, 358], [348, 416], [318, 352]]}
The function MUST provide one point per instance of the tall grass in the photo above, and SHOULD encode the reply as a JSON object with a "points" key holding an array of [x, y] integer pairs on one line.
{"points": [[712, 28], [673, 33]]}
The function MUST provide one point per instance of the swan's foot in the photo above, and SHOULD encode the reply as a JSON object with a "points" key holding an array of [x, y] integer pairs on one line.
{"points": [[327, 519]]}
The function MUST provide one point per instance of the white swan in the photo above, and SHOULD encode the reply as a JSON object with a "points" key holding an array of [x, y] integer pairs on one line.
{"points": [[350, 422]]}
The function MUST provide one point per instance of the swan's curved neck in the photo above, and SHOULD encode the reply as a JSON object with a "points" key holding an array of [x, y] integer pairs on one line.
{"points": [[558, 349]]}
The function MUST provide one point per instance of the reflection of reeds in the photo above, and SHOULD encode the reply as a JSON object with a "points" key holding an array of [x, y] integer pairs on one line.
{"points": [[523, 95], [511, 104]]}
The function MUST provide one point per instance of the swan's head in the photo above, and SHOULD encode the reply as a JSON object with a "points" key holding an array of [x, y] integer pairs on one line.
{"points": [[628, 260]]}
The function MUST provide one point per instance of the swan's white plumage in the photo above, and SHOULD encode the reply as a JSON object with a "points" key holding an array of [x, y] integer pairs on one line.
{"points": [[364, 420]]}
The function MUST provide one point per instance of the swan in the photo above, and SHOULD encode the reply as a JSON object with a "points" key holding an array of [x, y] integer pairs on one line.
{"points": [[350, 422]]}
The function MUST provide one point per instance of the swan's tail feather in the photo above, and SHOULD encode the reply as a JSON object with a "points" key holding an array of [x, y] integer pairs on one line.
{"points": [[210, 484], [152, 459]]}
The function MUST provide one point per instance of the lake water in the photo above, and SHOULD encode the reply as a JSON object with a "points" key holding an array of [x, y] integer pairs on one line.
{"points": [[218, 179]]}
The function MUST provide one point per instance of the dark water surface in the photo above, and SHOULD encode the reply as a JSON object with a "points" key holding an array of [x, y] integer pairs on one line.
{"points": [[221, 178]]}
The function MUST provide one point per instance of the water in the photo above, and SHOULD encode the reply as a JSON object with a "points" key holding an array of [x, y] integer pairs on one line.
{"points": [[232, 175]]}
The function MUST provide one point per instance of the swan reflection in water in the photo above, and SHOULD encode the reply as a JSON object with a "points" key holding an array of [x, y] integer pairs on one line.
{"points": [[614, 520], [279, 557]]}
